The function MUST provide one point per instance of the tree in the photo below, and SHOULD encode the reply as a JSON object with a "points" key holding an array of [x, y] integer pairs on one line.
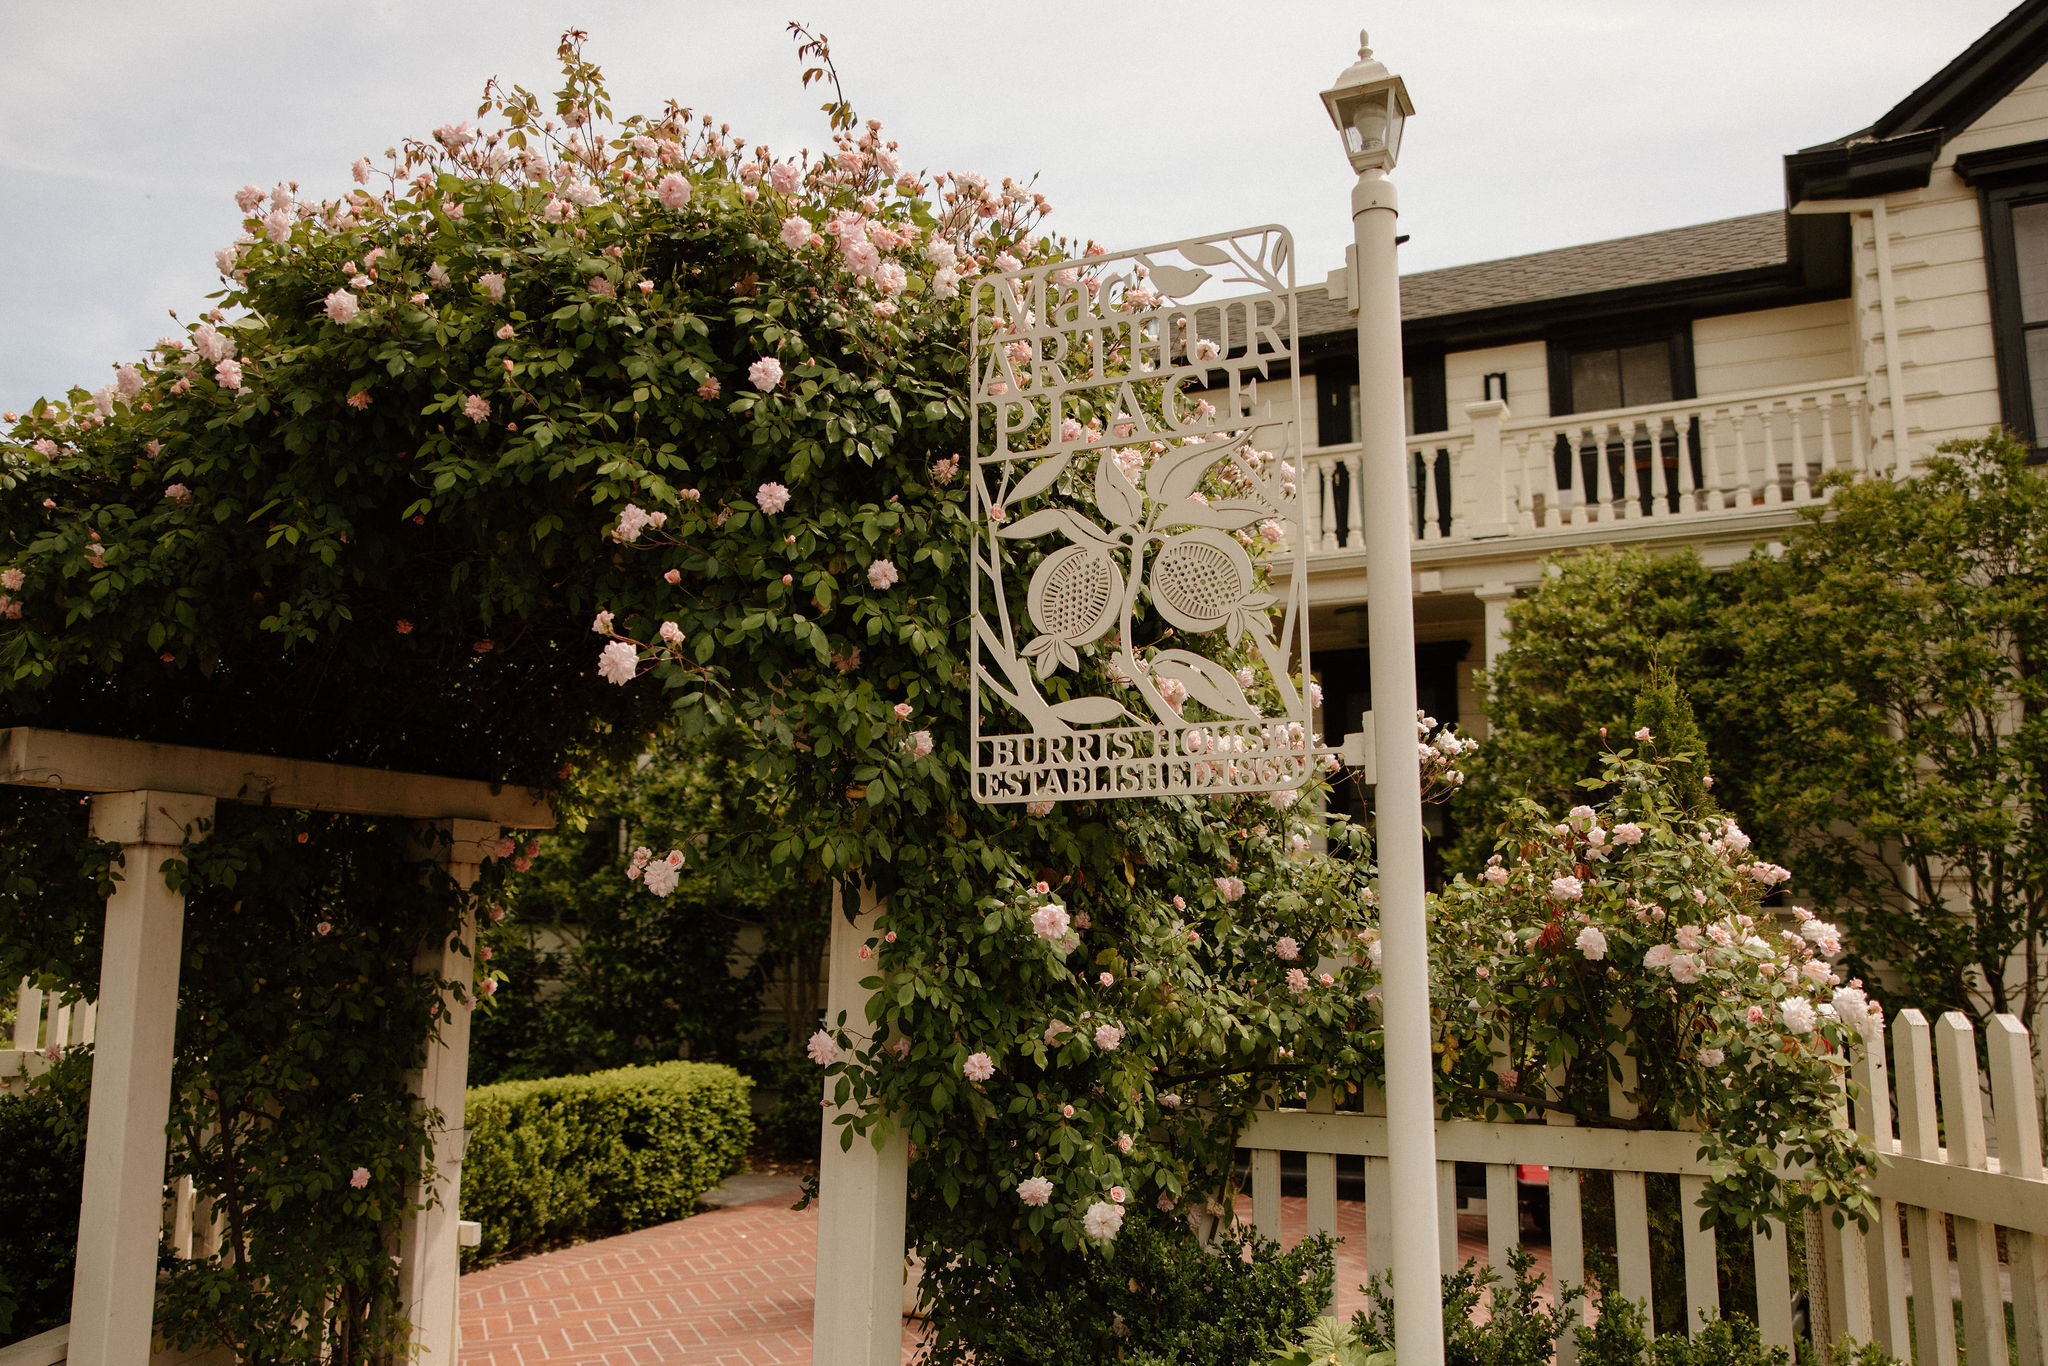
{"points": [[1893, 691], [1590, 639]]}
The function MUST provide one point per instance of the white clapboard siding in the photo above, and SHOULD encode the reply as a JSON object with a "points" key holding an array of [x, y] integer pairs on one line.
{"points": [[1937, 1166]]}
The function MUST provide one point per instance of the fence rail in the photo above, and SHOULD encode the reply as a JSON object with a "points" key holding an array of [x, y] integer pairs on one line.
{"points": [[42, 1022], [1961, 1160], [1697, 461]]}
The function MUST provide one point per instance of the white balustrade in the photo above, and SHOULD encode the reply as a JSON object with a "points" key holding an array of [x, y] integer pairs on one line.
{"points": [[1697, 460]]}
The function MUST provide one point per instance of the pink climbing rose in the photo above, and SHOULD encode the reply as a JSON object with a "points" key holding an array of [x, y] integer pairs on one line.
{"points": [[978, 1067], [673, 190], [619, 661], [1034, 1190], [772, 498], [476, 408], [882, 574], [359, 1178], [1108, 1038], [823, 1051], [342, 306], [765, 373]]}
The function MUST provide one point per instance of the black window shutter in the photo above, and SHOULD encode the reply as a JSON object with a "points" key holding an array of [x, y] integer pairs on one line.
{"points": [[1432, 407], [1333, 407]]}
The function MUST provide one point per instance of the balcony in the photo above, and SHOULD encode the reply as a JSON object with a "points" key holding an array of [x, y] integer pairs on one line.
{"points": [[1697, 462]]}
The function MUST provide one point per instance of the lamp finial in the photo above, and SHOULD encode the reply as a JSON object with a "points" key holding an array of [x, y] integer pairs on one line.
{"points": [[1364, 46]]}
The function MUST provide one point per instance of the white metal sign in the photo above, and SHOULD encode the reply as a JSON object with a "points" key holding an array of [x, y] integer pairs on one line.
{"points": [[1135, 490]]}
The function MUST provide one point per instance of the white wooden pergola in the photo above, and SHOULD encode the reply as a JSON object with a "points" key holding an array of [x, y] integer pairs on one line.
{"points": [[151, 799]]}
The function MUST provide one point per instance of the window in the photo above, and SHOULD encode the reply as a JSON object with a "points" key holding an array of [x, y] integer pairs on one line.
{"points": [[2012, 200], [1633, 365], [1620, 376], [2030, 265]]}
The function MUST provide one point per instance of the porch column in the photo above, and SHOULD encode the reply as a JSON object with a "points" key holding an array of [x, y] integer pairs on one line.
{"points": [[113, 1290], [429, 1267], [861, 1192]]}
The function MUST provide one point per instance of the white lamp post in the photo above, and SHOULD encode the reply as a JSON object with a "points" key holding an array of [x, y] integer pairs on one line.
{"points": [[1369, 105]]}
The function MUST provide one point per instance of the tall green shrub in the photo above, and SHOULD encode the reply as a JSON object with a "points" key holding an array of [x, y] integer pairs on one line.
{"points": [[585, 1157]]}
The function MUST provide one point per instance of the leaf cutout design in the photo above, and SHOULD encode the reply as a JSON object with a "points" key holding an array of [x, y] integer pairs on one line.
{"points": [[1174, 475], [1207, 682], [1282, 251], [1045, 521], [1115, 495], [1089, 711], [1225, 514], [1039, 479], [1205, 254]]}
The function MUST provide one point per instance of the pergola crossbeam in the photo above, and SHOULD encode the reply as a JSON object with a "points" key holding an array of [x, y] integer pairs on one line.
{"points": [[30, 757]]}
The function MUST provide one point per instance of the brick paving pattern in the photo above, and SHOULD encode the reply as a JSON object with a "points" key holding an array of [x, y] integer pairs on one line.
{"points": [[730, 1287]]}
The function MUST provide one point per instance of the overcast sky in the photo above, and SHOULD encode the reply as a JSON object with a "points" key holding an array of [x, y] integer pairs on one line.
{"points": [[125, 128]]}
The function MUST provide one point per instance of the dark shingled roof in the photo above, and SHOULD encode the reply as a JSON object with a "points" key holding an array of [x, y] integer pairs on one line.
{"points": [[1704, 249]]}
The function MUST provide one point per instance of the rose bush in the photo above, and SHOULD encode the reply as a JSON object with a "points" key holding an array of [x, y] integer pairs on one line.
{"points": [[1637, 928]]}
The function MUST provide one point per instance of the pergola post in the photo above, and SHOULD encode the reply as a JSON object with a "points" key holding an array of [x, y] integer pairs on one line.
{"points": [[862, 1192], [113, 1294], [429, 1256]]}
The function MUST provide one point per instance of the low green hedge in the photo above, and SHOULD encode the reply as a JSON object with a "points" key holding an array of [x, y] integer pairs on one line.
{"points": [[586, 1157]]}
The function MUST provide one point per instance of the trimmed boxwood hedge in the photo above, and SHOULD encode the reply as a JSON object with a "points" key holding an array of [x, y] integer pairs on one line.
{"points": [[586, 1157]]}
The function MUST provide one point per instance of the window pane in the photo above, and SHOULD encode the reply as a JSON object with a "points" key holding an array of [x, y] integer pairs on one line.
{"points": [[2037, 378], [1596, 381], [2030, 255], [1645, 374]]}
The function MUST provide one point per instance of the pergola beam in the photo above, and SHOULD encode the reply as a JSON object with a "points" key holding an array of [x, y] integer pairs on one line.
{"points": [[30, 757]]}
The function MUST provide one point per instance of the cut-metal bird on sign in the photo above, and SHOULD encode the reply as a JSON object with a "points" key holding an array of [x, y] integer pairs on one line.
{"points": [[1140, 576]]}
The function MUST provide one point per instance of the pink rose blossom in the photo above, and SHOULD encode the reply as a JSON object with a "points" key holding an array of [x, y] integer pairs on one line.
{"points": [[796, 232], [1286, 948], [1297, 981], [476, 408], [1108, 1038], [823, 1051], [359, 1178], [12, 580], [882, 574], [1230, 888], [978, 1067], [1592, 943], [1659, 956], [1566, 888], [1497, 875], [1051, 921], [248, 197], [903, 710], [1103, 1220], [619, 661], [342, 306], [1034, 1190], [673, 191], [228, 374], [919, 744], [765, 373], [1037, 809], [772, 498], [178, 494]]}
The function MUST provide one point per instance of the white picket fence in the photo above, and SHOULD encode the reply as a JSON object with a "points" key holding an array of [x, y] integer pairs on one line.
{"points": [[41, 1021], [1964, 1161]]}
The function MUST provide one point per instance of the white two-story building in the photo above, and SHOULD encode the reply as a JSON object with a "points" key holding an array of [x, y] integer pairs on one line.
{"points": [[1688, 387]]}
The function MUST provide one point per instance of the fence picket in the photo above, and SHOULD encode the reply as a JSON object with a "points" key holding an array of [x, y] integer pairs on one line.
{"points": [[1631, 1206], [1379, 1195], [1847, 1260], [1447, 1216], [2019, 1154], [1702, 1271], [1885, 1259], [1976, 1241], [1934, 1329], [1322, 1189], [1503, 1215], [1772, 1256], [28, 1016], [1266, 1191]]}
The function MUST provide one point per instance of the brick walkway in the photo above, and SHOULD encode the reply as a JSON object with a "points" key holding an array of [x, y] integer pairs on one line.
{"points": [[729, 1287]]}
